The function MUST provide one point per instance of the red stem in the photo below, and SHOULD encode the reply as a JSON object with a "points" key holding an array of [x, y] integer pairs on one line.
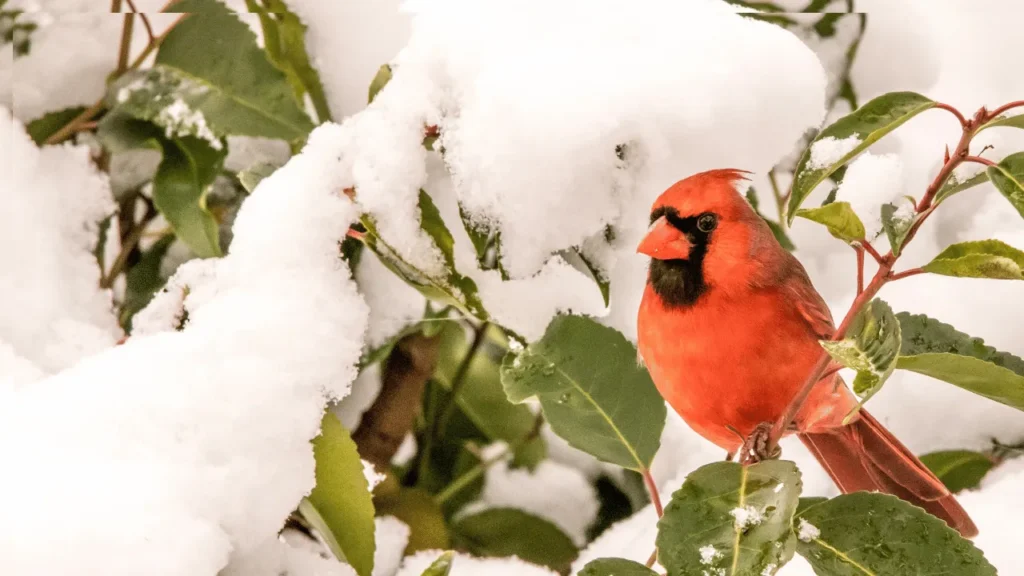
{"points": [[871, 250], [860, 269], [652, 488], [1005, 107], [906, 274], [979, 160], [953, 111]]}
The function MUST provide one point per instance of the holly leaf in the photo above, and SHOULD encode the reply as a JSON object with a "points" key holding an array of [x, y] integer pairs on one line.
{"points": [[502, 532], [981, 259], [615, 567], [871, 347], [210, 68], [591, 389], [859, 130], [938, 350], [897, 221], [1008, 177], [341, 497], [731, 520], [840, 219], [904, 539], [958, 469]]}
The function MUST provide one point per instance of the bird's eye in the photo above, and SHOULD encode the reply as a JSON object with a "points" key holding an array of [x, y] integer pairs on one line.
{"points": [[707, 222]]}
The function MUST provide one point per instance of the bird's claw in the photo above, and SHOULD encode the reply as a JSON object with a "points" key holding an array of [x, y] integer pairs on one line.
{"points": [[757, 446]]}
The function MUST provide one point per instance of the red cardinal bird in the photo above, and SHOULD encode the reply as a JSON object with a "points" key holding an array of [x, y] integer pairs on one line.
{"points": [[729, 328]]}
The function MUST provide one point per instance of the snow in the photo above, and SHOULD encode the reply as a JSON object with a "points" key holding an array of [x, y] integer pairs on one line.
{"points": [[373, 478], [806, 531], [829, 150], [276, 557], [870, 181], [708, 554], [394, 305], [391, 536], [205, 430], [463, 565], [746, 516], [54, 199]]}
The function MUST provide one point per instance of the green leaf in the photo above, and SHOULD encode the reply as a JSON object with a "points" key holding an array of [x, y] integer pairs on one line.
{"points": [[615, 567], [144, 279], [501, 532], [46, 125], [119, 132], [981, 259], [953, 186], [342, 496], [253, 175], [867, 125], [211, 61], [599, 276], [480, 395], [808, 501], [871, 347], [1016, 121], [418, 510], [958, 469], [938, 350], [840, 219], [180, 186], [442, 566], [731, 520], [380, 80], [1008, 177], [284, 40], [897, 224], [869, 533], [453, 289], [592, 390], [479, 235]]}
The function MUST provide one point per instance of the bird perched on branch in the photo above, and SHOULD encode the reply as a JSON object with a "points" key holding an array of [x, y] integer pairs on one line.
{"points": [[729, 327]]}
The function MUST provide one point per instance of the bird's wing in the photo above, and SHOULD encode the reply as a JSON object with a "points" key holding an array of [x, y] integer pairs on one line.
{"points": [[797, 288]]}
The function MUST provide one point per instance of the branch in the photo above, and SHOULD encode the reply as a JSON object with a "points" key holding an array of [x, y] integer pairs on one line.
{"points": [[871, 250], [954, 111], [906, 274], [126, 43], [441, 423], [860, 269], [1004, 108], [979, 160]]}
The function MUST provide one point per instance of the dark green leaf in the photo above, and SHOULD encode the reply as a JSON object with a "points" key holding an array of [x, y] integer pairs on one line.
{"points": [[119, 132], [731, 520], [211, 61], [981, 259], [867, 125], [480, 395], [342, 497], [1016, 121], [43, 127], [442, 566], [144, 279], [478, 235], [599, 276], [380, 80], [938, 350], [501, 532], [180, 186], [871, 347], [1008, 177], [869, 533], [615, 567], [284, 40], [953, 186], [958, 469], [808, 501], [253, 175], [840, 219], [592, 390], [897, 224]]}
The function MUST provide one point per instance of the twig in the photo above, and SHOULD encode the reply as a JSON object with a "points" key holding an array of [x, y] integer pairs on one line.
{"points": [[871, 250], [1004, 108], [156, 42], [780, 199], [71, 127], [652, 559], [126, 42], [954, 111], [145, 19], [458, 380], [979, 160], [860, 268], [131, 240], [652, 488], [906, 274]]}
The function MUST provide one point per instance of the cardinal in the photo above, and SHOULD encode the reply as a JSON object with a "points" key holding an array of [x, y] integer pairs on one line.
{"points": [[729, 328]]}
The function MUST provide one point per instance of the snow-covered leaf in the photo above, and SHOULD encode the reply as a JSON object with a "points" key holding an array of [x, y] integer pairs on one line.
{"points": [[904, 539], [938, 350], [501, 532], [442, 566], [849, 136], [592, 391], [980, 259], [871, 347], [342, 497], [380, 80], [210, 66], [615, 567], [600, 277], [1008, 177], [897, 221], [731, 520], [480, 395], [958, 469], [840, 219], [284, 40]]}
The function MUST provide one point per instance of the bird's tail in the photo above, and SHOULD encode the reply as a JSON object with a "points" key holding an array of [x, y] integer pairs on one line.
{"points": [[865, 456]]}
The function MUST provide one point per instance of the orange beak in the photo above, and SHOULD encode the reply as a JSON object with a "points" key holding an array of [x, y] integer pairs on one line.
{"points": [[665, 242]]}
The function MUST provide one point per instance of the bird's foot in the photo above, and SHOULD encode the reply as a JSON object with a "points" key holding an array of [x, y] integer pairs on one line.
{"points": [[757, 446]]}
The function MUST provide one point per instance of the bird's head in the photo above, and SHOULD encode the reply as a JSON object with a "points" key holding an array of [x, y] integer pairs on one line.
{"points": [[702, 235]]}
